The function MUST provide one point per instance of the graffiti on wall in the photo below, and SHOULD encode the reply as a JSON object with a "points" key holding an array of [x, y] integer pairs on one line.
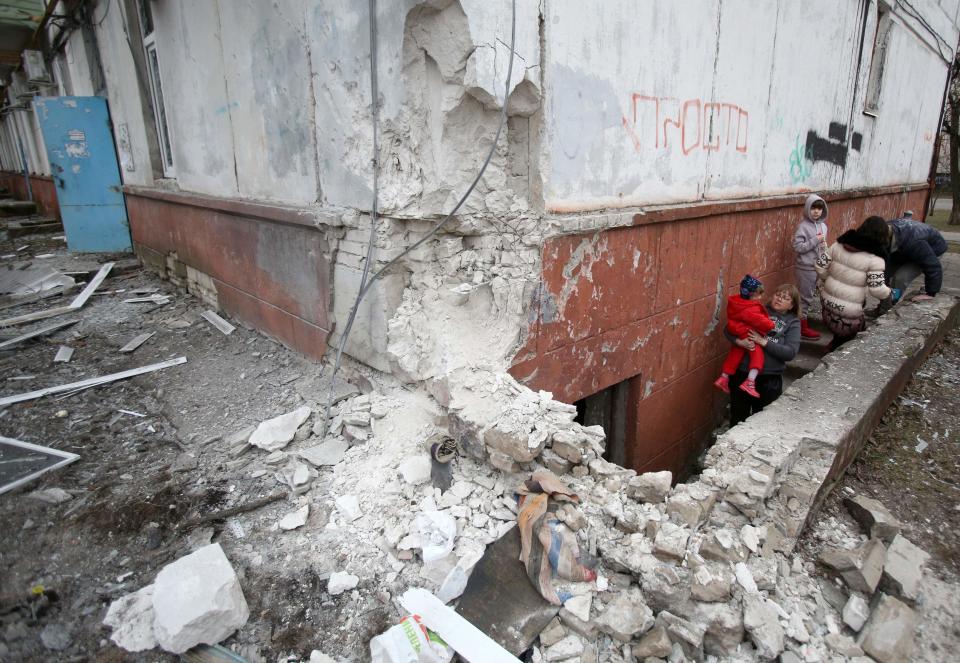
{"points": [[665, 123], [835, 147], [799, 162]]}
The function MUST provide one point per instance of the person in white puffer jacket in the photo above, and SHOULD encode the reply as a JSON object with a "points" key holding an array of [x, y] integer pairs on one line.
{"points": [[849, 269]]}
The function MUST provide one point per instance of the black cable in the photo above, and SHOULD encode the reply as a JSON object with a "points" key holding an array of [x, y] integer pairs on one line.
{"points": [[913, 13], [365, 287]]}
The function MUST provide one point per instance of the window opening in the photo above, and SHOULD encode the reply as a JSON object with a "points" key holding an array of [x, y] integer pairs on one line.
{"points": [[881, 43], [156, 88]]}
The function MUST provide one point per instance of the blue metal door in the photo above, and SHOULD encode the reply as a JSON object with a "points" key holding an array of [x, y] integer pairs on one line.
{"points": [[83, 161]]}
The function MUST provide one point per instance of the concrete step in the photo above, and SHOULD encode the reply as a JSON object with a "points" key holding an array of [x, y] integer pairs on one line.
{"points": [[17, 207]]}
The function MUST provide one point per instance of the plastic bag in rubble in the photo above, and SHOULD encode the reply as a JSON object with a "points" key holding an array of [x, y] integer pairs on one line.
{"points": [[409, 642], [438, 529]]}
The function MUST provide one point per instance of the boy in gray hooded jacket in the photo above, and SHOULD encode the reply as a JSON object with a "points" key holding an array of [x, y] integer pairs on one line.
{"points": [[809, 241]]}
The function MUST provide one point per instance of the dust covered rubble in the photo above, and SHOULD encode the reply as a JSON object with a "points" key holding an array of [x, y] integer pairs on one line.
{"points": [[692, 572]]}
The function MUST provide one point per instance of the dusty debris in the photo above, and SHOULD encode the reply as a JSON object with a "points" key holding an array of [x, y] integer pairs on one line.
{"points": [[136, 342]]}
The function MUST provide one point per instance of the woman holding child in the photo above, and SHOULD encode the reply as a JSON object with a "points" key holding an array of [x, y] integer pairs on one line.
{"points": [[780, 345]]}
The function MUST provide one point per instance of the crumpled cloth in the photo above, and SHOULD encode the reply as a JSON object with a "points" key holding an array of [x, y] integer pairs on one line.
{"points": [[548, 547]]}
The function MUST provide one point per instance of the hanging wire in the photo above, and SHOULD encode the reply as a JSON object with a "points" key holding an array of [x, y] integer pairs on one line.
{"points": [[365, 285]]}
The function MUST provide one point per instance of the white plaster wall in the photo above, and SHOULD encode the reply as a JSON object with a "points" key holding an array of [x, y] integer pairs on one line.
{"points": [[651, 103], [126, 111], [265, 56], [199, 110]]}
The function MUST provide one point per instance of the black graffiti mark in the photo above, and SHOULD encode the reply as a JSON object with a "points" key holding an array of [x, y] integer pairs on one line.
{"points": [[832, 149]]}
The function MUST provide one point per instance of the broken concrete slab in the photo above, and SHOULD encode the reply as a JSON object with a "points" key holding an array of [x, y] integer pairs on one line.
{"points": [[903, 569], [330, 452], [654, 644], [626, 616], [131, 618], [888, 635], [274, 434], [501, 601], [861, 568], [873, 517], [197, 599], [761, 620], [650, 487]]}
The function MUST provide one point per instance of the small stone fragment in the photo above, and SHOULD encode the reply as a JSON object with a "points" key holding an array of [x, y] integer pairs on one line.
{"points": [[655, 644], [131, 618], [294, 520], [626, 617], [760, 618], [349, 507], [671, 541], [579, 606], [650, 486], [415, 470], [56, 637], [50, 495], [330, 452], [340, 582], [276, 433], [856, 612]]}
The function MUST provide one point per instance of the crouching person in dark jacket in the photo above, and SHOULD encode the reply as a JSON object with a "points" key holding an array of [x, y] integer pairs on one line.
{"points": [[915, 248]]}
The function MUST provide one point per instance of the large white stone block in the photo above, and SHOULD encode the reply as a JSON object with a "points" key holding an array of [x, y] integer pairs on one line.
{"points": [[197, 599]]}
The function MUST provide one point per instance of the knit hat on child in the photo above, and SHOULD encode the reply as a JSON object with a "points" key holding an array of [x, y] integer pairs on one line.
{"points": [[749, 285]]}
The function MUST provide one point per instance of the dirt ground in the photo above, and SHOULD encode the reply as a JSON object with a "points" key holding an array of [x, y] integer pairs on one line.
{"points": [[166, 467], [911, 464]]}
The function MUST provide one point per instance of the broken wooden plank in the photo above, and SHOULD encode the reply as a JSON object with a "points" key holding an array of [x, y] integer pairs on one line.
{"points": [[64, 354], [154, 299], [84, 295], [91, 382], [465, 638], [65, 459], [136, 342], [49, 329], [77, 302], [218, 322]]}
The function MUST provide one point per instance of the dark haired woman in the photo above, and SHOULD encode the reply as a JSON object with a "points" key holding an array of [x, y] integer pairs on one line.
{"points": [[850, 269]]}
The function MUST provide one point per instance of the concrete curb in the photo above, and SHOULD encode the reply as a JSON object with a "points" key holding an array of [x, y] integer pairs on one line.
{"points": [[778, 467]]}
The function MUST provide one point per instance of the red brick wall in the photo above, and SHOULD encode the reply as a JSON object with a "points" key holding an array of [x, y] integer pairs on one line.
{"points": [[272, 274], [641, 303], [44, 193]]}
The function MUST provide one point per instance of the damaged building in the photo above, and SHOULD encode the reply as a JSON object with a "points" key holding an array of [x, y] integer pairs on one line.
{"points": [[651, 155]]}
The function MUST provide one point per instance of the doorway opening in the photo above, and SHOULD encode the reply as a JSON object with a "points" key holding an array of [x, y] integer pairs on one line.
{"points": [[608, 408]]}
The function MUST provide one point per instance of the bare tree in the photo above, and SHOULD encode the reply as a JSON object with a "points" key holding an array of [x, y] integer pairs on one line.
{"points": [[951, 127]]}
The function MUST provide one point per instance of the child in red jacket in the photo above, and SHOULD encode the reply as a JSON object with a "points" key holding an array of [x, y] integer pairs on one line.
{"points": [[745, 313]]}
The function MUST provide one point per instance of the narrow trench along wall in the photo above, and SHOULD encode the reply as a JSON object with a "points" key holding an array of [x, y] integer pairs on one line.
{"points": [[712, 556]]}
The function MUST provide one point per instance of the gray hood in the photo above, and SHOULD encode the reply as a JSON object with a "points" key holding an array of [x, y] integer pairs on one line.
{"points": [[811, 199]]}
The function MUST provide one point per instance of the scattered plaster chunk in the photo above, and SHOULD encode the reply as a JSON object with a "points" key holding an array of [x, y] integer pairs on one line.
{"points": [[856, 612], [626, 617], [276, 433], [651, 487], [131, 618], [340, 582], [760, 618], [330, 452], [579, 607], [349, 507], [745, 578], [671, 541], [197, 599], [416, 470], [903, 569], [292, 521]]}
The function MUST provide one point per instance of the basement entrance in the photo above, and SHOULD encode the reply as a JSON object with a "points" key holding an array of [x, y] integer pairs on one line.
{"points": [[608, 408]]}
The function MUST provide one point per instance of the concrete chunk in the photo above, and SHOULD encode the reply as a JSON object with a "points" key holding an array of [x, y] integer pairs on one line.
{"points": [[340, 582], [873, 517], [276, 433], [861, 568], [888, 636], [760, 618], [197, 599], [655, 644], [650, 486], [131, 618], [903, 569], [626, 617], [856, 612], [671, 542], [330, 452]]}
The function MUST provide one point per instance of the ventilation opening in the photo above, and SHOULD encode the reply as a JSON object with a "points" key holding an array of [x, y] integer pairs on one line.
{"points": [[608, 408]]}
